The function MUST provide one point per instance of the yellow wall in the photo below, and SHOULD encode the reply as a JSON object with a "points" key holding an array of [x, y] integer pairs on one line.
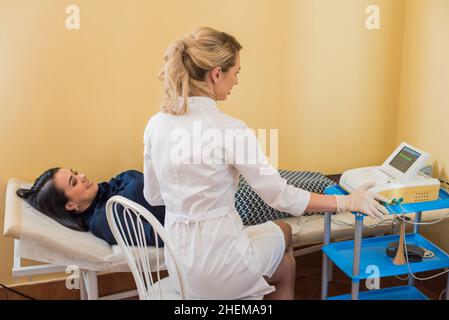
{"points": [[341, 85], [309, 67], [424, 100], [424, 97]]}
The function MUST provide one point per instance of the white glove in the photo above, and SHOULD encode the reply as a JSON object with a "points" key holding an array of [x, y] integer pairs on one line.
{"points": [[362, 200]]}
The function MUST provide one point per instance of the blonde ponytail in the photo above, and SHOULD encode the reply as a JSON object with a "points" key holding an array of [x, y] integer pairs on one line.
{"points": [[187, 62]]}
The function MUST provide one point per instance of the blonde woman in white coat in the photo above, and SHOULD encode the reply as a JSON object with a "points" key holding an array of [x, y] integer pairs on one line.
{"points": [[220, 258]]}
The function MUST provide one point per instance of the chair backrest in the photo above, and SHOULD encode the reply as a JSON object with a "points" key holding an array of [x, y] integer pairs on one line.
{"points": [[126, 217]]}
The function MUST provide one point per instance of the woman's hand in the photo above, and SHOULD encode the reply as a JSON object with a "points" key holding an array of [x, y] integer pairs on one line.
{"points": [[364, 201]]}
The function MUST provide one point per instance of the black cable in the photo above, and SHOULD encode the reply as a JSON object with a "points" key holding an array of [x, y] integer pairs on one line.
{"points": [[17, 292]]}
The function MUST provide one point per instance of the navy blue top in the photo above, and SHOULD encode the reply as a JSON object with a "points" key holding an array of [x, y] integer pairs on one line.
{"points": [[128, 184]]}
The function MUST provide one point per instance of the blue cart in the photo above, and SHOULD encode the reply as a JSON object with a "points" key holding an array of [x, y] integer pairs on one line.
{"points": [[356, 257]]}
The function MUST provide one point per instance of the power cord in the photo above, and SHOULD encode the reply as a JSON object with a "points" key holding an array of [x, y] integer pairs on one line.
{"points": [[410, 270], [403, 279], [341, 222], [393, 231], [441, 294], [405, 242], [421, 223], [17, 292]]}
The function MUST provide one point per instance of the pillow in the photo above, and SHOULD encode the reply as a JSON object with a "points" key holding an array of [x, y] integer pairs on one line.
{"points": [[253, 210]]}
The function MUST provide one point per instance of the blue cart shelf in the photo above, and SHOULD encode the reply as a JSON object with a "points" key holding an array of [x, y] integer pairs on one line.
{"points": [[357, 257]]}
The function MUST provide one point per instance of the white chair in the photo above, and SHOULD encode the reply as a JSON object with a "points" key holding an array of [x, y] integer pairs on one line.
{"points": [[136, 250]]}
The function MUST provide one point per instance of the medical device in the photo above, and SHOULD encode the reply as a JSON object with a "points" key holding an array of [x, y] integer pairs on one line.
{"points": [[414, 253], [398, 178]]}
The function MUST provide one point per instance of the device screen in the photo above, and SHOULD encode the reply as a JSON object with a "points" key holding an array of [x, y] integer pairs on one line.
{"points": [[404, 159]]}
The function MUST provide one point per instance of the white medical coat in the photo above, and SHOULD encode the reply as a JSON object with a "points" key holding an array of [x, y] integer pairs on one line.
{"points": [[215, 253]]}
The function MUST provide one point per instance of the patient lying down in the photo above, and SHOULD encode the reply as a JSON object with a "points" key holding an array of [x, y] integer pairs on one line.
{"points": [[80, 204]]}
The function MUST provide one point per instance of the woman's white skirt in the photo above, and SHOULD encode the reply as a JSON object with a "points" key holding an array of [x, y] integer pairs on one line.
{"points": [[221, 259]]}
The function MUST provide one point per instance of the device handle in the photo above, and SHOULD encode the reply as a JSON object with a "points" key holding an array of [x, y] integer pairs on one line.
{"points": [[400, 256]]}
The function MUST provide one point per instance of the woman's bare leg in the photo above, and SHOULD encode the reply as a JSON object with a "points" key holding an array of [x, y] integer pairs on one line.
{"points": [[285, 275]]}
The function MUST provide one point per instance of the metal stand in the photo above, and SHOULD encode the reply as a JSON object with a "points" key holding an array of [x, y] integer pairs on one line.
{"points": [[357, 251], [447, 288], [416, 227], [90, 284], [83, 289], [326, 261], [328, 265]]}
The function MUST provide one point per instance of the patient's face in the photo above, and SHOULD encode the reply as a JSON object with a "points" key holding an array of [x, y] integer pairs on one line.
{"points": [[77, 187]]}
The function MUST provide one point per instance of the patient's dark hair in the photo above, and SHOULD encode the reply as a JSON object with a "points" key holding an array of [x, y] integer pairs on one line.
{"points": [[46, 198]]}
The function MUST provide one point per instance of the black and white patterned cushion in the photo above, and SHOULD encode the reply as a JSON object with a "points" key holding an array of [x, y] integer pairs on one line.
{"points": [[253, 210]]}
